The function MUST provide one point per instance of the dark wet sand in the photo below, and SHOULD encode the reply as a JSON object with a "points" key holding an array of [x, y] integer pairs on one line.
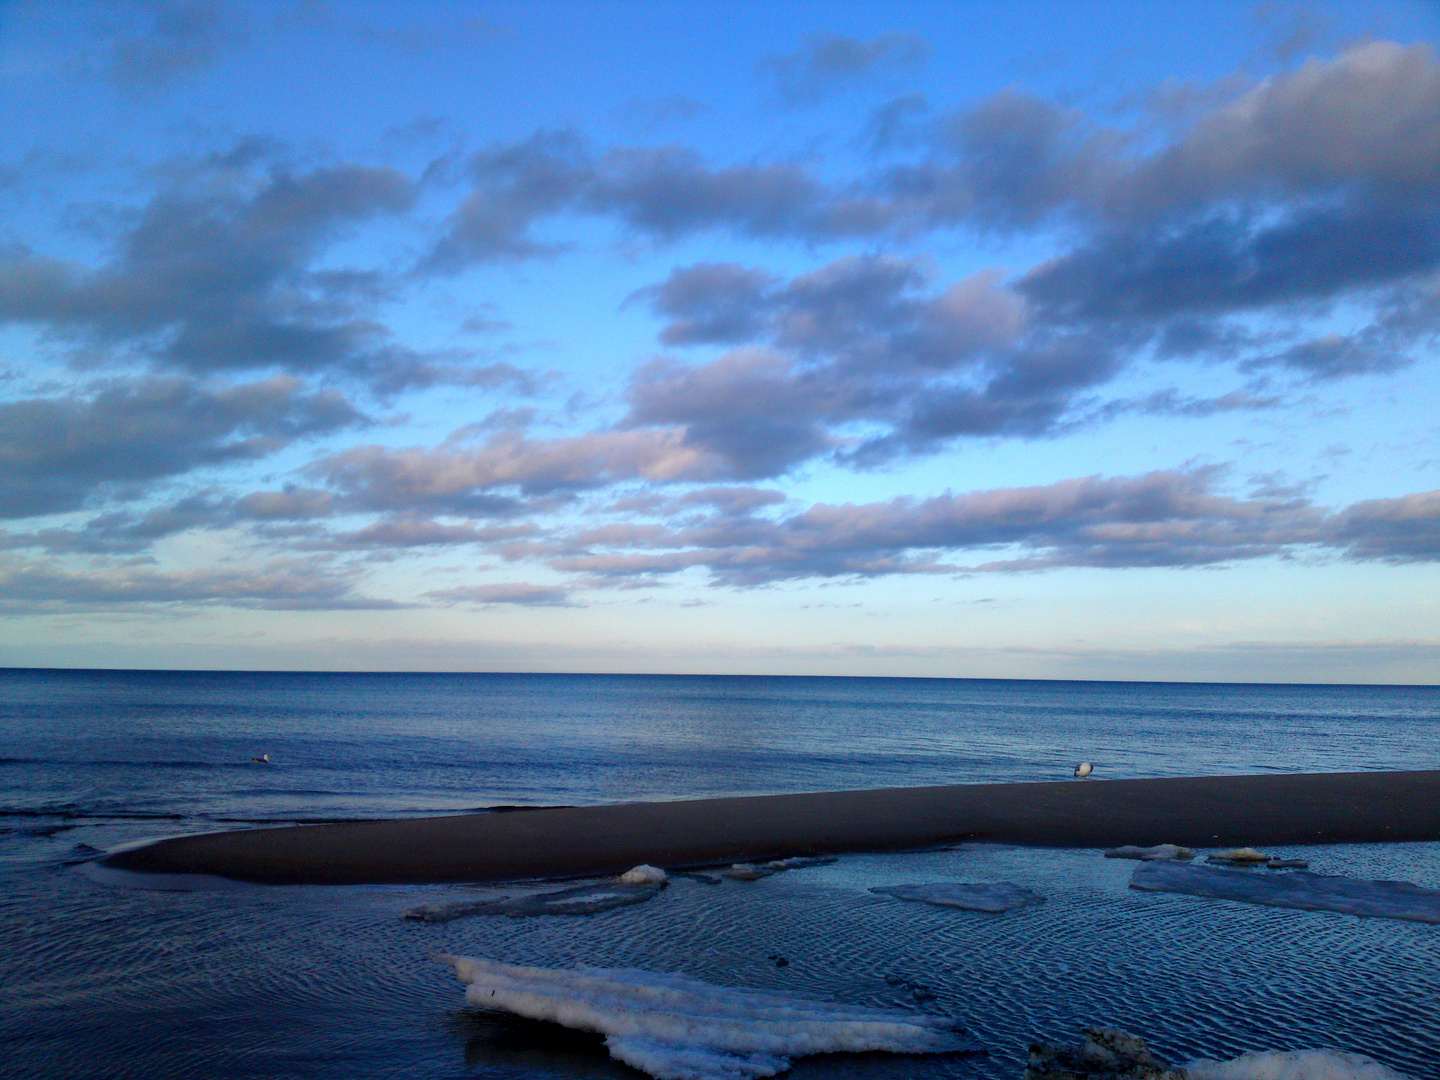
{"points": [[1318, 808]]}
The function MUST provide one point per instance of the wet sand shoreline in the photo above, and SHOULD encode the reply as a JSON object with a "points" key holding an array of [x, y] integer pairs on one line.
{"points": [[558, 842]]}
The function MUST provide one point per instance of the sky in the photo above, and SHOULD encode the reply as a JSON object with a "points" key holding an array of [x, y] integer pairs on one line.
{"points": [[1001, 340]]}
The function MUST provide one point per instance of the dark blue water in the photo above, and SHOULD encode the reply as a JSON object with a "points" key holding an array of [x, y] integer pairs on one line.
{"points": [[346, 745], [99, 980]]}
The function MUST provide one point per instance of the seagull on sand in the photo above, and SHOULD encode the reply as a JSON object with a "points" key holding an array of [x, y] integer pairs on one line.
{"points": [[264, 759], [1084, 769]]}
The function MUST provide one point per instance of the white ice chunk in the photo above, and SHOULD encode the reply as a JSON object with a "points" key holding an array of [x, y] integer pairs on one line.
{"points": [[644, 874], [678, 1028], [1296, 889], [1294, 1065], [1150, 854], [972, 896]]}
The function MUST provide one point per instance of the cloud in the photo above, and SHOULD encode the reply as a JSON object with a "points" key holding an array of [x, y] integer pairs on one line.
{"points": [[519, 593], [59, 451], [1162, 519], [177, 40], [282, 585], [123, 531], [218, 272], [1405, 529], [663, 193], [1344, 139], [1223, 265], [1177, 246], [412, 531], [473, 482], [827, 63], [859, 341], [1158, 519]]}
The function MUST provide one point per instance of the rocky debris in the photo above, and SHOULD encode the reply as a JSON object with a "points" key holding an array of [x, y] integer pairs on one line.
{"points": [[1104, 1054], [1150, 854], [644, 874]]}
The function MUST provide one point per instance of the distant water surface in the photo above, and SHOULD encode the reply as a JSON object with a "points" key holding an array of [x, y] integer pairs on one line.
{"points": [[99, 980], [355, 745]]}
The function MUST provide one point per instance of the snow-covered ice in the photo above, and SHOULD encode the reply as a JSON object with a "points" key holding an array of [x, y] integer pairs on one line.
{"points": [[972, 896], [678, 1028], [1293, 889], [1293, 1065]]}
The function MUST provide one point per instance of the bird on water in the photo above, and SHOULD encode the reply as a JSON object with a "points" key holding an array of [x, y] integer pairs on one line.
{"points": [[1084, 769], [264, 759]]}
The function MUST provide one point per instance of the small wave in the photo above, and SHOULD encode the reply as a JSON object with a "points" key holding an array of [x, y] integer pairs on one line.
{"points": [[70, 810]]}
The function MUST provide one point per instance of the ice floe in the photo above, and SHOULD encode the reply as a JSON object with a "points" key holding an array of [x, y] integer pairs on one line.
{"points": [[972, 896], [1296, 889], [632, 887], [1293, 1065], [1150, 854], [756, 871], [675, 1027]]}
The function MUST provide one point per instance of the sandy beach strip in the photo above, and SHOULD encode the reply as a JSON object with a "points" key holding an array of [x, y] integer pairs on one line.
{"points": [[1311, 808]]}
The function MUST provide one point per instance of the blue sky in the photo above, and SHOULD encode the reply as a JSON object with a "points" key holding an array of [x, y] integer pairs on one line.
{"points": [[1049, 340]]}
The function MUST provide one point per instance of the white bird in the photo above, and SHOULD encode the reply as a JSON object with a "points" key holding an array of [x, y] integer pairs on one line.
{"points": [[1084, 769], [264, 759]]}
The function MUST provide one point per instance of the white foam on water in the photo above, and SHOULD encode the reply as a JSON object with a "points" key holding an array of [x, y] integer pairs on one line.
{"points": [[678, 1028], [1293, 1065], [1293, 889], [971, 896]]}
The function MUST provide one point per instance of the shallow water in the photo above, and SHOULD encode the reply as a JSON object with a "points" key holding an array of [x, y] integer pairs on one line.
{"points": [[105, 980], [99, 979]]}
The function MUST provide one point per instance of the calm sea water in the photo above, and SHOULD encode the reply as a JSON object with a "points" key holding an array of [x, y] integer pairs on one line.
{"points": [[100, 980]]}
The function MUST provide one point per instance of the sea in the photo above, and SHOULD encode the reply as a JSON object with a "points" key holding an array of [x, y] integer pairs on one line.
{"points": [[108, 975]]}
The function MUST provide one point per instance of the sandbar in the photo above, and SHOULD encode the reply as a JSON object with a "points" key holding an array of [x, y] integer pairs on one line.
{"points": [[579, 841]]}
